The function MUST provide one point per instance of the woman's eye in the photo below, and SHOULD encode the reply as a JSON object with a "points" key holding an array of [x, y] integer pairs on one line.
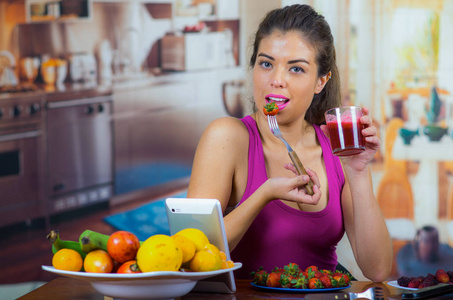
{"points": [[297, 70], [266, 64]]}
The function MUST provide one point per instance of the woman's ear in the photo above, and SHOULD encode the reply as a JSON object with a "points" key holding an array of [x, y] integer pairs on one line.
{"points": [[322, 82]]}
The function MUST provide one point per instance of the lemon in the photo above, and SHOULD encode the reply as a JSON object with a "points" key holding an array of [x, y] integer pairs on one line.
{"points": [[197, 237], [207, 259], [187, 247], [68, 260], [159, 253]]}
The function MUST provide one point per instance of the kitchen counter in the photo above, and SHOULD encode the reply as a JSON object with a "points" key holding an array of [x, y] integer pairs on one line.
{"points": [[65, 92], [134, 81], [127, 82], [70, 288]]}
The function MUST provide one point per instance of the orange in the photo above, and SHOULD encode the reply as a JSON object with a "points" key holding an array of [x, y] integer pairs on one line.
{"points": [[187, 247], [226, 264], [223, 255], [208, 259], [68, 260], [98, 261]]}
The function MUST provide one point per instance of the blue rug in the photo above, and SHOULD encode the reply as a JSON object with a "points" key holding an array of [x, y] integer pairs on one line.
{"points": [[146, 220], [148, 175]]}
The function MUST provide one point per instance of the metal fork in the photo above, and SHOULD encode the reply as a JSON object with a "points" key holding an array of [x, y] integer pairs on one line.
{"points": [[273, 125], [372, 293]]}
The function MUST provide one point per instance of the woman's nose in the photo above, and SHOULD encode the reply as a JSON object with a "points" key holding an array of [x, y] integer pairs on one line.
{"points": [[278, 79]]}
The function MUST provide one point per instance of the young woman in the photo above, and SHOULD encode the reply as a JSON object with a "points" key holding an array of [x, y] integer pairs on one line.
{"points": [[270, 220]]}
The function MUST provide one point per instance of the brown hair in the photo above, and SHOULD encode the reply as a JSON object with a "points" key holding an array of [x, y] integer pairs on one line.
{"points": [[313, 28]]}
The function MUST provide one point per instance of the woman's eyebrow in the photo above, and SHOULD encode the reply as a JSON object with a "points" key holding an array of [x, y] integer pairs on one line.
{"points": [[293, 61], [300, 60], [267, 56]]}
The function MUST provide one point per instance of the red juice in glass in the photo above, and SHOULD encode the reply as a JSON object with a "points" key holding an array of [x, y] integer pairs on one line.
{"points": [[345, 130]]}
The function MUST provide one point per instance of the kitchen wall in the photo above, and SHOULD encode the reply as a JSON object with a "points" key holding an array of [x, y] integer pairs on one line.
{"points": [[129, 28]]}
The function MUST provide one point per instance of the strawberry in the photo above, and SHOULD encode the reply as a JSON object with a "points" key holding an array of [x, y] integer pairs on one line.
{"points": [[429, 280], [346, 277], [300, 282], [288, 280], [291, 269], [404, 281], [312, 271], [339, 280], [273, 279], [450, 274], [328, 282], [415, 282], [259, 277], [327, 272], [442, 276], [315, 283], [311, 268], [270, 109]]}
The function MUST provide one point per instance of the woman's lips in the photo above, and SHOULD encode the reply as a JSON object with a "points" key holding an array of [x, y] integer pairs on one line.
{"points": [[280, 101]]}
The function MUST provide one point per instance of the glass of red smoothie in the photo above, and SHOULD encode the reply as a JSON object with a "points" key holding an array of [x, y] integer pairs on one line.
{"points": [[345, 130]]}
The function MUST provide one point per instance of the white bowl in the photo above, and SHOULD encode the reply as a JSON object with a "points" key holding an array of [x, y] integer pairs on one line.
{"points": [[148, 285]]}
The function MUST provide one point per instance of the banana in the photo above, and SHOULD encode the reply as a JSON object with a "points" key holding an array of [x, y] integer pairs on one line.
{"points": [[57, 243], [91, 240]]}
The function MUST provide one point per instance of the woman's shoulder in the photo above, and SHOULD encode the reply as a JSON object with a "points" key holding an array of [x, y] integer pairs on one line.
{"points": [[227, 127]]}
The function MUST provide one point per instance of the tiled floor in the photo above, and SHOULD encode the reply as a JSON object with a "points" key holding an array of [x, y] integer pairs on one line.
{"points": [[14, 291]]}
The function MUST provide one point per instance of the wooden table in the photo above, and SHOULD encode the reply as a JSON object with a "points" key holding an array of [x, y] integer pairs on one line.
{"points": [[69, 288]]}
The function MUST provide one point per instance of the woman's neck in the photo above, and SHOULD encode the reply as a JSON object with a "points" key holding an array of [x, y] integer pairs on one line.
{"points": [[294, 133]]}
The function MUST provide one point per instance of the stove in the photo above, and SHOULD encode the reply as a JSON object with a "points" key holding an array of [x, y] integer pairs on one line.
{"points": [[20, 88], [21, 163]]}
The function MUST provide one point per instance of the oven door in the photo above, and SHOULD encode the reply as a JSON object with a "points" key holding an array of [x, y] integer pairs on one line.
{"points": [[19, 177], [79, 140]]}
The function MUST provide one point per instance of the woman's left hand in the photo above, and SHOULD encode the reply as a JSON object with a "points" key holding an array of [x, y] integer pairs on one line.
{"points": [[360, 161]]}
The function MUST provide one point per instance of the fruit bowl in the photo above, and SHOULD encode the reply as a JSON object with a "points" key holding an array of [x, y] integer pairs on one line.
{"points": [[148, 285]]}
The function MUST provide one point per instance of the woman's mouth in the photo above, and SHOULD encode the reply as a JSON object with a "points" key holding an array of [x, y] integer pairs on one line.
{"points": [[279, 100]]}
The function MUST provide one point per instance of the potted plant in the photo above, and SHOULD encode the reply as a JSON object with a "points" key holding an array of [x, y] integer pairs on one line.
{"points": [[432, 130]]}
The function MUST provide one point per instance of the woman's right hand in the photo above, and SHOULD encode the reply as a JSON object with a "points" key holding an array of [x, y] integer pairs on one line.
{"points": [[292, 189]]}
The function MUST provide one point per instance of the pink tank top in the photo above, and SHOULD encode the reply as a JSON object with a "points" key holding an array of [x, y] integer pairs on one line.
{"points": [[280, 234]]}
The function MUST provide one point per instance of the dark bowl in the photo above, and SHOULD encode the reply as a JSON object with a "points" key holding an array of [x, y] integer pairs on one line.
{"points": [[434, 132], [408, 135]]}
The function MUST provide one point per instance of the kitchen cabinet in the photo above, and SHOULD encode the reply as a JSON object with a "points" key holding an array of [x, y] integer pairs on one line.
{"points": [[53, 10], [227, 9], [204, 10], [151, 141]]}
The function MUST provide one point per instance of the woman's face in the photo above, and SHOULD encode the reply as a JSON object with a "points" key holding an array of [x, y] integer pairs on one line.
{"points": [[286, 73]]}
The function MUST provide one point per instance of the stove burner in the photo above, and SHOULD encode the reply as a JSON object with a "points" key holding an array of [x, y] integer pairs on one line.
{"points": [[23, 87]]}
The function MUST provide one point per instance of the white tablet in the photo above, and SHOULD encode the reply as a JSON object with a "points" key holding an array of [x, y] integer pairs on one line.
{"points": [[206, 215]]}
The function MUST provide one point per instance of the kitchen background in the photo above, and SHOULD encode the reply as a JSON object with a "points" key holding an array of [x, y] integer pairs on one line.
{"points": [[103, 101]]}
